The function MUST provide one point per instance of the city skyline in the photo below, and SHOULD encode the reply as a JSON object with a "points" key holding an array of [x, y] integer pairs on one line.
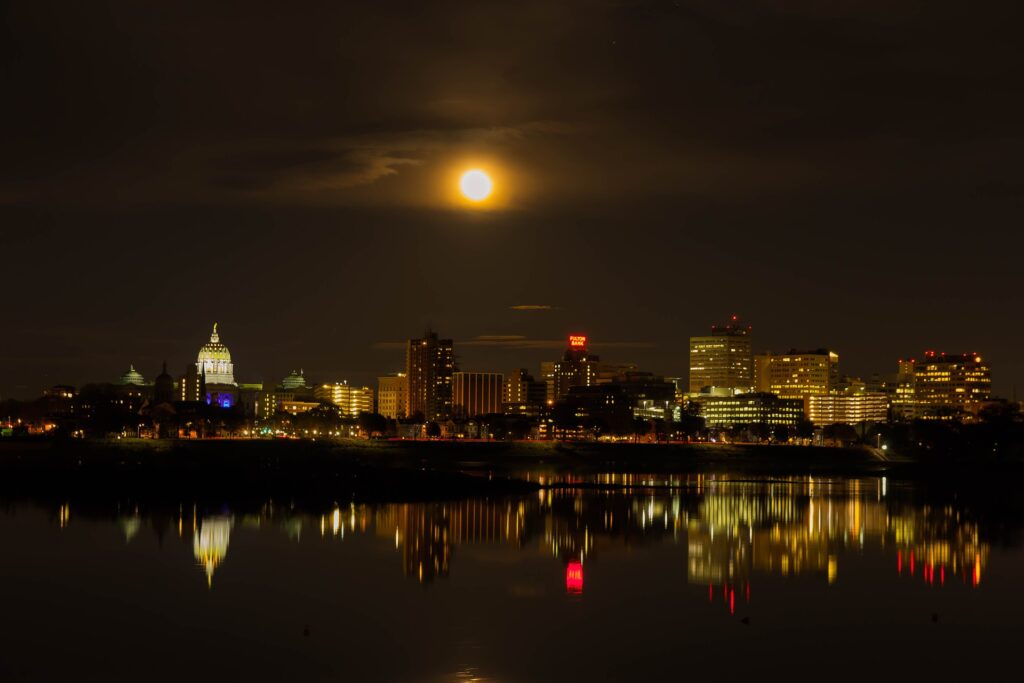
{"points": [[505, 352], [510, 340]]}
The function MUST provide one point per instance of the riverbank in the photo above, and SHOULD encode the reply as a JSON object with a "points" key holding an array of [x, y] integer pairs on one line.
{"points": [[247, 474]]}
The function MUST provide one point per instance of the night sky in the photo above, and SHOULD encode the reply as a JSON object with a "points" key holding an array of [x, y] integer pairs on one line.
{"points": [[842, 174]]}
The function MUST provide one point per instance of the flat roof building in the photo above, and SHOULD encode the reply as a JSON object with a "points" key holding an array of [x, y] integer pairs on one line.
{"points": [[477, 393], [392, 395], [749, 409], [723, 359]]}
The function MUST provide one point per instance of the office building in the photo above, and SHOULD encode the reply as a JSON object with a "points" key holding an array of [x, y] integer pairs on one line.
{"points": [[392, 395], [797, 374], [750, 409], [724, 359], [851, 405], [430, 363], [523, 395], [578, 368], [192, 386], [943, 386], [296, 407], [476, 393], [350, 400]]}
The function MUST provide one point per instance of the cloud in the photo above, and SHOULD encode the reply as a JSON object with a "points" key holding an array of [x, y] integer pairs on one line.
{"points": [[534, 307], [520, 342]]}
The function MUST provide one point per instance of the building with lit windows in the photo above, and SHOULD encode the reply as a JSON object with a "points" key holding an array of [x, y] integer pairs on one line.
{"points": [[547, 375], [750, 409], [797, 374], [578, 368], [477, 393], [523, 395], [295, 407], [724, 359], [267, 401], [848, 406], [429, 365], [191, 386], [350, 400], [392, 395], [943, 386]]}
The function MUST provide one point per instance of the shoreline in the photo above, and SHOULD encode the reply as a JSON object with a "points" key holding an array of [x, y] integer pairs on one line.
{"points": [[319, 476]]}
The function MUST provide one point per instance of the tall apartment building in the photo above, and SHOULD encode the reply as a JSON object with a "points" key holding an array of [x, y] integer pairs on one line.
{"points": [[477, 393], [429, 365], [350, 400], [724, 359], [393, 395]]}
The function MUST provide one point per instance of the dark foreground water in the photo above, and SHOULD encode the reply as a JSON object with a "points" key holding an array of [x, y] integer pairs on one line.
{"points": [[713, 579]]}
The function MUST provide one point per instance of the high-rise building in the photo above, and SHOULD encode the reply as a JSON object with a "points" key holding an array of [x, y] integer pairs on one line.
{"points": [[392, 395], [192, 385], [578, 368], [429, 364], [476, 393], [267, 401], [797, 374], [943, 386], [724, 359], [523, 394], [350, 400], [547, 375]]}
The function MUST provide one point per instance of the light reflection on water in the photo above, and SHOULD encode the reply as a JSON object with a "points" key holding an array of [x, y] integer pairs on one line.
{"points": [[719, 542], [733, 529]]}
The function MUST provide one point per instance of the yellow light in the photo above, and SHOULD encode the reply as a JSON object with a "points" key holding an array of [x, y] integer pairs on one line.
{"points": [[476, 186]]}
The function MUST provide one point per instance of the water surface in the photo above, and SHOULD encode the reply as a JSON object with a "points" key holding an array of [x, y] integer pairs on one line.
{"points": [[714, 577]]}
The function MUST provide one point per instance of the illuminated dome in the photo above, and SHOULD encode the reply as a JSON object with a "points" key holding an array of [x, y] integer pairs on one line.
{"points": [[296, 380], [215, 361], [133, 376]]}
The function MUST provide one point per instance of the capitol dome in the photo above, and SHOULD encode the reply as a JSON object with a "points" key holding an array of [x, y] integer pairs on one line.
{"points": [[296, 380], [133, 376], [215, 361]]}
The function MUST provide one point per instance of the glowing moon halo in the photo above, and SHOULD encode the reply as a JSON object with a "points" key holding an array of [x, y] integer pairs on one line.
{"points": [[476, 186]]}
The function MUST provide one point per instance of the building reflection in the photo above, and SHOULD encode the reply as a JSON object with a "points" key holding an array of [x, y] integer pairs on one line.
{"points": [[210, 543], [734, 531]]}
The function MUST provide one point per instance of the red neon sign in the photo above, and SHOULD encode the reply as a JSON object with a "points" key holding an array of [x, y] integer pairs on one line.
{"points": [[574, 577], [577, 341]]}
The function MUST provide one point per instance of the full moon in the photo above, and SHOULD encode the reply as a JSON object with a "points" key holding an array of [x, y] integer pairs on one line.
{"points": [[475, 185]]}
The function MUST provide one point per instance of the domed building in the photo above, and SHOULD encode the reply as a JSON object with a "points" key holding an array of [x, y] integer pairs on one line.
{"points": [[214, 361], [217, 372], [132, 377], [295, 380]]}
